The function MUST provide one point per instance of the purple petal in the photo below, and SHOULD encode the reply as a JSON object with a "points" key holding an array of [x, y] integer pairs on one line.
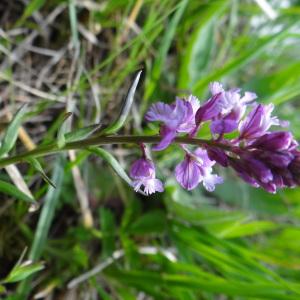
{"points": [[137, 184], [258, 121], [188, 173], [142, 168], [239, 167], [215, 88], [210, 109], [274, 141], [171, 115], [153, 185], [195, 103], [276, 159], [294, 167], [270, 187], [248, 97], [211, 180], [203, 159], [168, 135], [223, 126], [250, 125], [159, 112], [218, 155], [259, 170]]}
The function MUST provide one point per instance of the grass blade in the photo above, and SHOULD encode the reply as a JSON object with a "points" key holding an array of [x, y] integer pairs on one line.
{"points": [[112, 162], [240, 61], [120, 121], [12, 131], [11, 190]]}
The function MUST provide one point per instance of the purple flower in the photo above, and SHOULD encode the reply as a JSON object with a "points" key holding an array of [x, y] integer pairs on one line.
{"points": [[294, 168], [234, 107], [269, 169], [224, 108], [143, 173], [195, 168], [278, 140], [176, 117], [258, 122], [210, 109], [260, 157], [218, 155]]}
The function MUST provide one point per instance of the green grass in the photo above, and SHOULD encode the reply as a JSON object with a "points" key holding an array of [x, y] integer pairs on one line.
{"points": [[236, 243]]}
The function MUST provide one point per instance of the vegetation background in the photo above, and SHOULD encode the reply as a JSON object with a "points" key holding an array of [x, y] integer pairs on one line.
{"points": [[93, 237]]}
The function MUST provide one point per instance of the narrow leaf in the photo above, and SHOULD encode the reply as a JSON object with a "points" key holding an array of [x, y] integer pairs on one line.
{"points": [[151, 222], [23, 271], [164, 48], [32, 7], [47, 213], [81, 133], [61, 141], [107, 221], [120, 121], [241, 60], [11, 190], [37, 166], [195, 58], [112, 162], [45, 221], [12, 131]]}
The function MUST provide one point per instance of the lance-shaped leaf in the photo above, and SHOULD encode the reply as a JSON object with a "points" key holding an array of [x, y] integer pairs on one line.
{"points": [[20, 272], [112, 162], [119, 122], [11, 190], [37, 166], [81, 133], [12, 131], [61, 141]]}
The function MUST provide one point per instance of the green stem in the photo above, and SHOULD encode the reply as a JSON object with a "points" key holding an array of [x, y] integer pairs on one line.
{"points": [[103, 140]]}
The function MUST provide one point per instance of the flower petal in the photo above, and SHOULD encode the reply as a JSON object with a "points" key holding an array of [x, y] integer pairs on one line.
{"points": [[142, 168], [215, 88], [159, 112], [168, 135], [152, 186], [210, 180], [188, 173], [223, 126]]}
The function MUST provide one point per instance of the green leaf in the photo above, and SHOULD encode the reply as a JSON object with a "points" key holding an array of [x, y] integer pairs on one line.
{"points": [[12, 131], [239, 230], [196, 55], [32, 7], [2, 289], [61, 141], [11, 190], [165, 45], [107, 222], [37, 166], [240, 61], [45, 220], [120, 121], [112, 162], [81, 133], [152, 222], [20, 272], [47, 213]]}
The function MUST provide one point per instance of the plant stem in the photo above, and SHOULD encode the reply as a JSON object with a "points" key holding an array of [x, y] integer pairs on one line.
{"points": [[103, 140]]}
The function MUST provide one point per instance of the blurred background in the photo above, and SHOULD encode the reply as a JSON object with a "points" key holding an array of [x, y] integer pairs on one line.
{"points": [[93, 237]]}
